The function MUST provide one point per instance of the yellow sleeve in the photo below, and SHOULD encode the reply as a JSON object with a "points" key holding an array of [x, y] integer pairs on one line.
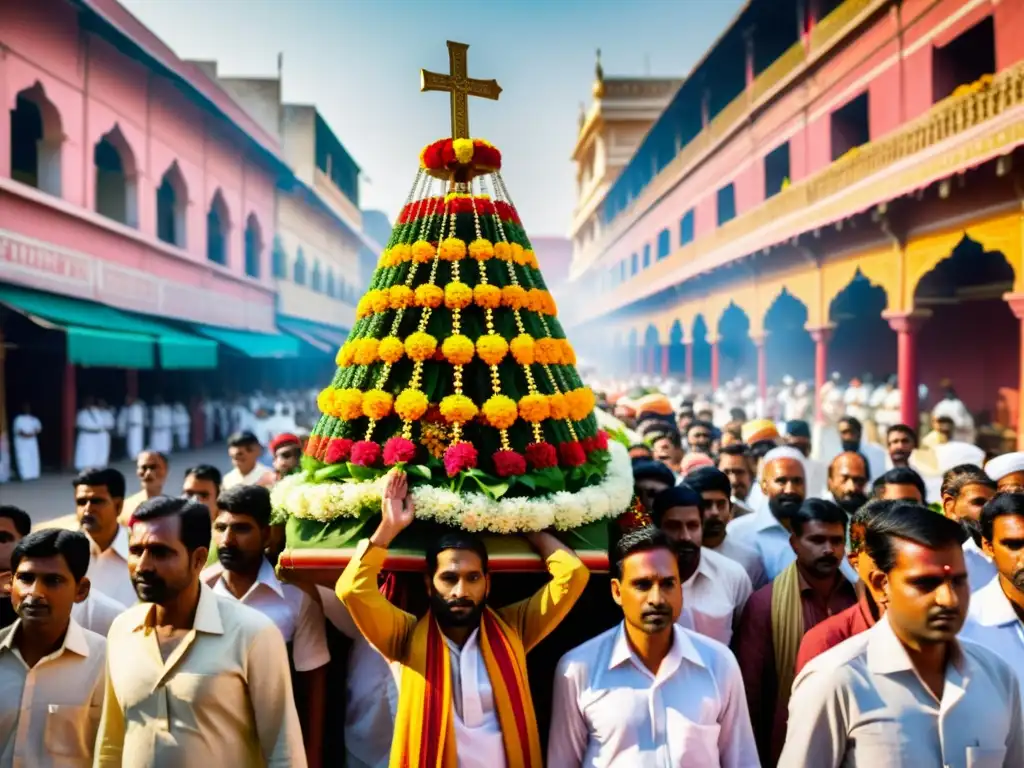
{"points": [[110, 735], [385, 627], [535, 617]]}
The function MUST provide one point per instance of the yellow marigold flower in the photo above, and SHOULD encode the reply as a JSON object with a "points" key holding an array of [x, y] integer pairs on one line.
{"points": [[429, 295], [325, 401], [453, 249], [390, 349], [457, 349], [400, 296], [366, 351], [457, 295], [487, 296], [559, 407], [491, 348], [513, 297], [385, 259], [547, 351], [463, 149], [535, 300], [500, 411], [581, 403], [458, 409], [422, 252], [502, 251], [522, 349], [420, 346], [411, 404], [481, 249], [530, 258], [345, 354], [534, 408], [517, 254], [348, 404], [364, 307], [568, 353], [377, 404], [379, 300], [400, 253]]}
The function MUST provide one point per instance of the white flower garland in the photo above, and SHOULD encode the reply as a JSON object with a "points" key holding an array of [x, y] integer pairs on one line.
{"points": [[324, 502]]}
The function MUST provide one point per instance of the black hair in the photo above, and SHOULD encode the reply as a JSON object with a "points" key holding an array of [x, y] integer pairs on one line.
{"points": [[912, 522], [737, 414], [196, 529], [901, 429], [159, 454], [704, 479], [245, 439], [962, 475], [206, 472], [640, 446], [700, 424], [646, 469], [945, 420], [863, 516], [107, 476], [22, 522], [73, 546], [861, 456], [672, 437], [644, 539], [899, 476], [682, 495], [854, 423], [817, 511], [998, 506], [251, 500], [760, 448], [456, 540], [735, 449]]}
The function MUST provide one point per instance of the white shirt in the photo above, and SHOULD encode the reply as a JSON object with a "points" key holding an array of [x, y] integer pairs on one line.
{"points": [[992, 622], [108, 570], [478, 740], [97, 612], [716, 594], [863, 705], [610, 711], [295, 613], [980, 568], [748, 557], [257, 473]]}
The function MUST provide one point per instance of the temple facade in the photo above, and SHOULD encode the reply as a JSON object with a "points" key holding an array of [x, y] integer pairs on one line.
{"points": [[835, 186]]}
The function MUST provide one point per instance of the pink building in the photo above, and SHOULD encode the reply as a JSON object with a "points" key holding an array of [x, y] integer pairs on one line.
{"points": [[132, 188]]}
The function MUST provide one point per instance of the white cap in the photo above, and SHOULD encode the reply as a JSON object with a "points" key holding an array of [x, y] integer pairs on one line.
{"points": [[784, 452], [1004, 465], [955, 453]]}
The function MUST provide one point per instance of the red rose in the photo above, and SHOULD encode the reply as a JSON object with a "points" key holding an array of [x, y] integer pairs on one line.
{"points": [[398, 450], [338, 449], [508, 463], [602, 440], [459, 457], [572, 454], [365, 453], [541, 455]]}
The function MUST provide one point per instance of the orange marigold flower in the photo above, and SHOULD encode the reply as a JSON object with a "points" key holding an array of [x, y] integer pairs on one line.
{"points": [[345, 354], [581, 403], [535, 300], [530, 258], [487, 296], [513, 297], [491, 348], [522, 347], [500, 411], [559, 406], [517, 254], [502, 251], [547, 351], [400, 296], [534, 408], [390, 349], [366, 351], [458, 409], [423, 252], [457, 295], [411, 404], [364, 307], [481, 249], [453, 249], [457, 349], [399, 253], [376, 404], [429, 295], [379, 300], [420, 346], [550, 308], [568, 353], [348, 404]]}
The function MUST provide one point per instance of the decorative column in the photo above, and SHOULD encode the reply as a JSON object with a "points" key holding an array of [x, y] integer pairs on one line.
{"points": [[906, 325], [69, 411], [821, 337], [762, 368], [714, 366], [1016, 302], [688, 354], [665, 362]]}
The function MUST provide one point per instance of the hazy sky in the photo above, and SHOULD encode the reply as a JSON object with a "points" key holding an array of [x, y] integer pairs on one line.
{"points": [[358, 61]]}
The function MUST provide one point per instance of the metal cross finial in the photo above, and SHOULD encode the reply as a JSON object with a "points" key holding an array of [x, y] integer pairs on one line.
{"points": [[458, 83]]}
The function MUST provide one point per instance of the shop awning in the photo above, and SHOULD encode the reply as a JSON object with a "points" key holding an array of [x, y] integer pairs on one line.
{"points": [[252, 344], [319, 335], [293, 329], [178, 349]]}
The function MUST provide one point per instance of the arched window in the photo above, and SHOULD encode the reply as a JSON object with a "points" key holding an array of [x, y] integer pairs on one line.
{"points": [[317, 282], [280, 259], [664, 244], [299, 270], [253, 246], [171, 203], [343, 290], [330, 282], [36, 137], [218, 225], [115, 178]]}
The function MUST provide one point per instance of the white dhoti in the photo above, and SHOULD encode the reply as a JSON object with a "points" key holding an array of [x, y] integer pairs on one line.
{"points": [[26, 445], [91, 444]]}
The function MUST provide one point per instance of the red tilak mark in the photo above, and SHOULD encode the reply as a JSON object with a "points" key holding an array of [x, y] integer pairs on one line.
{"points": [[946, 568]]}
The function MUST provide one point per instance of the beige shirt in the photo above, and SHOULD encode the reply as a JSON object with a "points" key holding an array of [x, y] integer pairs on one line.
{"points": [[108, 569], [260, 474], [716, 594], [49, 713], [863, 704], [223, 697]]}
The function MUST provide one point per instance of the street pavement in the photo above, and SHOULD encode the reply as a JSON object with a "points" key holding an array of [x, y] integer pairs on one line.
{"points": [[50, 499]]}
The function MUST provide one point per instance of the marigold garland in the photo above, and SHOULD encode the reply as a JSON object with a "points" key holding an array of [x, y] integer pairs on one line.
{"points": [[376, 404], [463, 149], [348, 403], [411, 404], [481, 249], [534, 408], [458, 409], [453, 249], [491, 348], [429, 296], [457, 295], [420, 346], [513, 297], [380, 300], [547, 351], [423, 252], [581, 403], [400, 296], [390, 349], [344, 357], [366, 351], [487, 296], [364, 307], [517, 251], [400, 253], [458, 349], [502, 251], [500, 411], [522, 348], [559, 407]]}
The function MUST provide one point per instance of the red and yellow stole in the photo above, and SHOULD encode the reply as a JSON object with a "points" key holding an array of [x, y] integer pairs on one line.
{"points": [[424, 727]]}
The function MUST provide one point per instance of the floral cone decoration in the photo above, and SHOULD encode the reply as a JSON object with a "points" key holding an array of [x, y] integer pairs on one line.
{"points": [[459, 372]]}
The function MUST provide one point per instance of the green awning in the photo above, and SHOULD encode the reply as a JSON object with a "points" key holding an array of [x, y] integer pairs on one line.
{"points": [[252, 344], [327, 338], [178, 349], [312, 341]]}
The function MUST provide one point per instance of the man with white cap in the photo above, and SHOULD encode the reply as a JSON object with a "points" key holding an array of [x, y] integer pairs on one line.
{"points": [[1008, 471]]}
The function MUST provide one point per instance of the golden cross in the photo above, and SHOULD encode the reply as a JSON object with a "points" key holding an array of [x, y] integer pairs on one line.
{"points": [[458, 83]]}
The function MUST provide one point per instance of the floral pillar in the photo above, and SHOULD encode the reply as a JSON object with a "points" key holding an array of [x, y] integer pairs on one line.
{"points": [[714, 365], [821, 337], [906, 325], [1016, 302]]}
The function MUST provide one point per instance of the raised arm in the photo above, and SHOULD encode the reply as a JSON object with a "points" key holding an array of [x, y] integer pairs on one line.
{"points": [[385, 627], [538, 615]]}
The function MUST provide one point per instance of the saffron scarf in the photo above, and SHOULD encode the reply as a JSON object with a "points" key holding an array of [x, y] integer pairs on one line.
{"points": [[787, 627], [424, 725]]}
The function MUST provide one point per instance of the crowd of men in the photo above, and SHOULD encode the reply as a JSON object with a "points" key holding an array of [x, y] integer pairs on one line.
{"points": [[762, 608]]}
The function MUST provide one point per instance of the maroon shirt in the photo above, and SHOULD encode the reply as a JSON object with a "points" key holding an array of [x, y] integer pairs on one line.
{"points": [[755, 652], [831, 632]]}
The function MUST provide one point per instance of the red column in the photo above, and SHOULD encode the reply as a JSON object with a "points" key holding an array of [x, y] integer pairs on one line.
{"points": [[762, 369], [906, 325], [69, 410], [1016, 302], [821, 338], [689, 361], [664, 361], [714, 366], [131, 382]]}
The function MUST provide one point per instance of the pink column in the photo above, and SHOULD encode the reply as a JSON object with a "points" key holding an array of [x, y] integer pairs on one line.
{"points": [[638, 359], [664, 360], [821, 338], [906, 325], [689, 361], [69, 412], [1016, 302], [762, 368], [714, 366]]}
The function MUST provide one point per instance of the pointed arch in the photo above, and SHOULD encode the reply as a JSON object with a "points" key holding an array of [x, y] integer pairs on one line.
{"points": [[316, 280], [116, 178], [279, 258], [253, 246], [299, 268], [172, 206], [218, 227], [329, 287], [36, 139]]}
